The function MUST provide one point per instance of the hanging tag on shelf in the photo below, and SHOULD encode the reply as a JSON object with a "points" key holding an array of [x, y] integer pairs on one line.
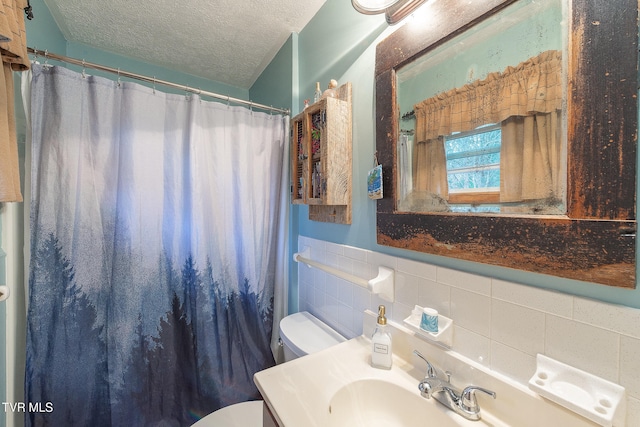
{"points": [[374, 179]]}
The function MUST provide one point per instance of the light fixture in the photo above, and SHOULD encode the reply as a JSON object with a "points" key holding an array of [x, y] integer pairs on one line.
{"points": [[394, 10], [401, 10], [372, 7]]}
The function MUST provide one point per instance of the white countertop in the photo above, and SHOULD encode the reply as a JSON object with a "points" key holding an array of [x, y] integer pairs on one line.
{"points": [[299, 392]]}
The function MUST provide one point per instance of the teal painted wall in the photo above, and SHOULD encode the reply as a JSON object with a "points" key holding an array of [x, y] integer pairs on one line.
{"points": [[277, 86], [340, 43], [274, 87], [89, 54], [42, 31]]}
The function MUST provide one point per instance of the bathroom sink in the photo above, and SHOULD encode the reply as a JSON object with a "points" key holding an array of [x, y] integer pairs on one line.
{"points": [[378, 403], [337, 387]]}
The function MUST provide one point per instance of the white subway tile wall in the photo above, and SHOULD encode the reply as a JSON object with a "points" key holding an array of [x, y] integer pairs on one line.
{"points": [[499, 324]]}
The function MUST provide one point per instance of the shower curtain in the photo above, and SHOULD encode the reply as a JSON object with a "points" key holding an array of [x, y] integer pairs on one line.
{"points": [[156, 243]]}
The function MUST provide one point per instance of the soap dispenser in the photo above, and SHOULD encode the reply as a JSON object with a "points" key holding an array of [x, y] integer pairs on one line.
{"points": [[381, 343]]}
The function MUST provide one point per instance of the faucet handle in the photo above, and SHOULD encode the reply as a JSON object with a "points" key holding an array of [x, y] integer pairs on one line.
{"points": [[468, 400], [426, 388], [431, 372]]}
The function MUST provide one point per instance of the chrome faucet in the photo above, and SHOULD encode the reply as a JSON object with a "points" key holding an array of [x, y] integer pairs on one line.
{"points": [[463, 403]]}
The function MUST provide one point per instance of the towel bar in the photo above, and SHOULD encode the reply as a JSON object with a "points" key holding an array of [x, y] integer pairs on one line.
{"points": [[382, 284]]}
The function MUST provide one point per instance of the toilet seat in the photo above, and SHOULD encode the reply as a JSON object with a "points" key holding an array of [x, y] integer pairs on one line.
{"points": [[240, 414]]}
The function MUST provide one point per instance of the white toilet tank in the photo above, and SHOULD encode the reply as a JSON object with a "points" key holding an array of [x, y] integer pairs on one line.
{"points": [[303, 334]]}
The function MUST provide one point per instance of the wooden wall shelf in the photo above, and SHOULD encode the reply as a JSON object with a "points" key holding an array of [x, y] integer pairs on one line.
{"points": [[321, 158]]}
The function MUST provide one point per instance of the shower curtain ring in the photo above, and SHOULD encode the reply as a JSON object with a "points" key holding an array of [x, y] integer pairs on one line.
{"points": [[228, 98], [119, 82], [84, 74], [154, 85]]}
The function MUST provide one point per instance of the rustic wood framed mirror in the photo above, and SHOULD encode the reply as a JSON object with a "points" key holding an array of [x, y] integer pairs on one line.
{"points": [[590, 234]]}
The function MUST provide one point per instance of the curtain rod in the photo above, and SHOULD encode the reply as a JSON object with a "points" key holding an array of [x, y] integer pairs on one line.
{"points": [[153, 80]]}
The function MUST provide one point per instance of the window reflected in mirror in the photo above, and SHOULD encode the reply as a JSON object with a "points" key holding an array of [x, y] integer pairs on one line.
{"points": [[483, 118]]}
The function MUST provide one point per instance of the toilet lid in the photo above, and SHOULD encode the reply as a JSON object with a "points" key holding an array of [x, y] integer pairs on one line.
{"points": [[305, 334]]}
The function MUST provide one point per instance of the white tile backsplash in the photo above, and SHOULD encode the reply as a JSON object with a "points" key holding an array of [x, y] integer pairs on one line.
{"points": [[420, 269], [471, 311], [518, 327], [355, 253], [633, 411], [406, 288], [535, 298], [623, 320], [334, 248], [629, 372], [499, 324], [467, 281], [583, 346], [435, 295], [472, 345], [511, 362]]}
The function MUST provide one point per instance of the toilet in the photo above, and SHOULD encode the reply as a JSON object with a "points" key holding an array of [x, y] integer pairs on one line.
{"points": [[301, 334]]}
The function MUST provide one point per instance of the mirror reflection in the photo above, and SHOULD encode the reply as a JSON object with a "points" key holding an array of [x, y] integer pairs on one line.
{"points": [[483, 118]]}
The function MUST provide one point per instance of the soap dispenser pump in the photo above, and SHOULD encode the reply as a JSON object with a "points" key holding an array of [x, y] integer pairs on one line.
{"points": [[381, 343]]}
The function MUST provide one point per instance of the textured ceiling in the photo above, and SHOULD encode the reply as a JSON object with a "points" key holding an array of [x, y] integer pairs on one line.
{"points": [[229, 41]]}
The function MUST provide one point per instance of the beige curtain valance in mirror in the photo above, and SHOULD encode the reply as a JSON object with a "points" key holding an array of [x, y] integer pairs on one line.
{"points": [[527, 99], [533, 86]]}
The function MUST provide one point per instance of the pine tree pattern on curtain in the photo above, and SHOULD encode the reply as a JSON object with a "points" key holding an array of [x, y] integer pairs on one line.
{"points": [[153, 226]]}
